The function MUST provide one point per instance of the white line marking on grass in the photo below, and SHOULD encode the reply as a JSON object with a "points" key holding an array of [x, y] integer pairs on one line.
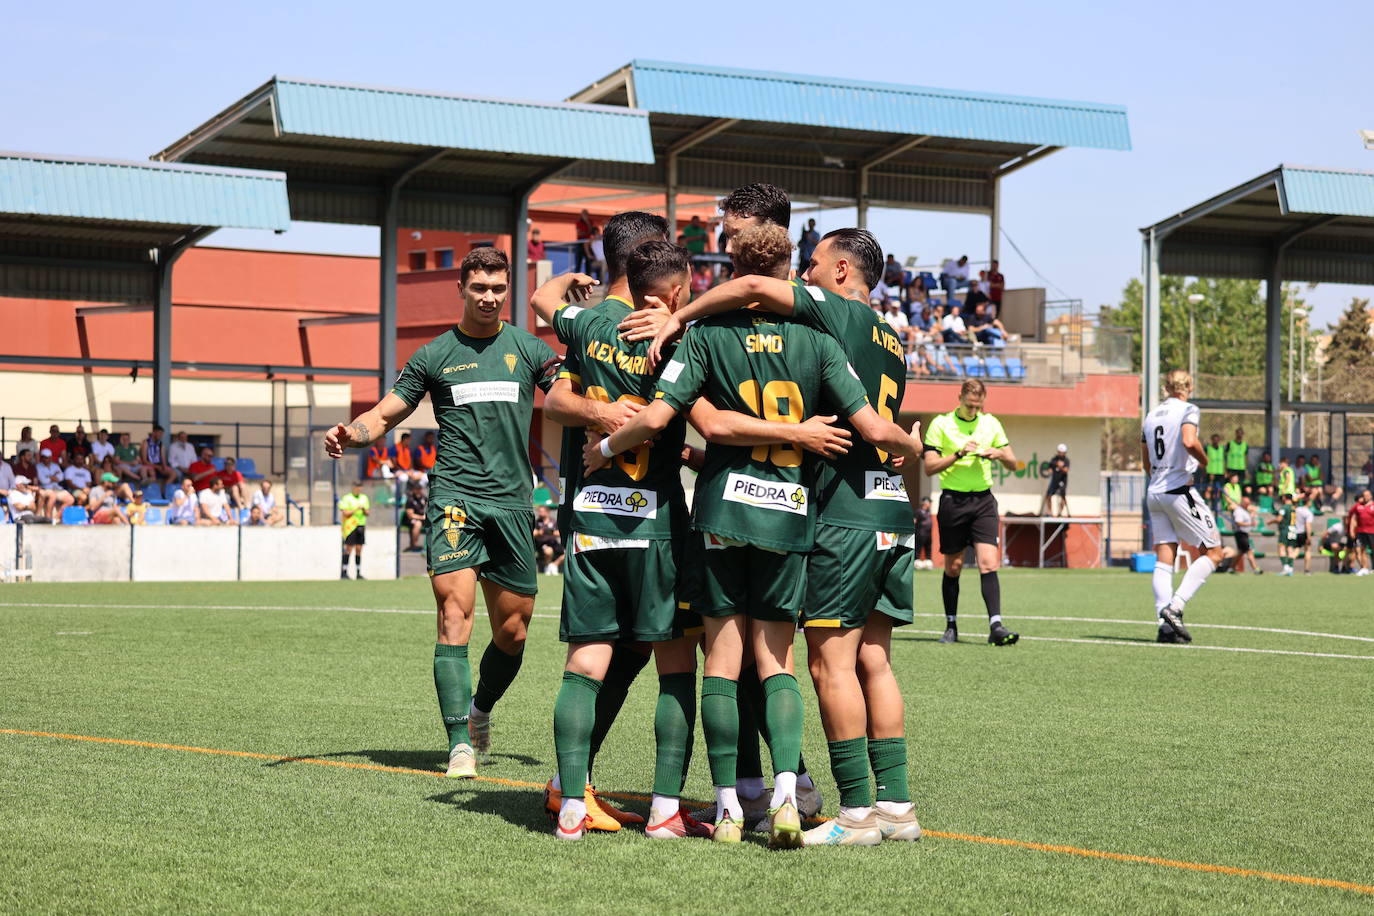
{"points": [[1191, 626], [1193, 646], [73, 633]]}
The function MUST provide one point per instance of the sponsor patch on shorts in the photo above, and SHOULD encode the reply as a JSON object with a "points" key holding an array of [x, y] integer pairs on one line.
{"points": [[766, 494], [585, 542], [624, 501], [881, 485], [890, 539], [671, 370], [484, 392]]}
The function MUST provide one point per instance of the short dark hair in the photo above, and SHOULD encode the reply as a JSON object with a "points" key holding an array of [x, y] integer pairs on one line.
{"points": [[625, 232], [487, 258], [764, 201], [863, 250], [653, 261], [156, 428]]}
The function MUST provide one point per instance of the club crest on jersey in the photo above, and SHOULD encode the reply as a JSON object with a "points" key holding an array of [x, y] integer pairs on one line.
{"points": [[766, 494], [617, 501], [510, 362], [455, 517]]}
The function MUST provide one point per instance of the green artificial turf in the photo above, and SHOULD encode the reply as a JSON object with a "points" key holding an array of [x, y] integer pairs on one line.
{"points": [[1245, 760]]}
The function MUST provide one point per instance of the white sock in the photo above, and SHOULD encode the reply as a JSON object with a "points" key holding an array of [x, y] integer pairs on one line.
{"points": [[573, 807], [662, 807], [1163, 582], [727, 803], [475, 713], [750, 786], [894, 808], [1192, 581], [994, 620], [856, 812], [784, 789], [804, 781]]}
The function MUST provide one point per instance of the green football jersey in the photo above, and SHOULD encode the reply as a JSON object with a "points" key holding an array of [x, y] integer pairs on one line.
{"points": [[640, 493], [947, 434], [482, 389], [1288, 522], [861, 488], [755, 363], [570, 454]]}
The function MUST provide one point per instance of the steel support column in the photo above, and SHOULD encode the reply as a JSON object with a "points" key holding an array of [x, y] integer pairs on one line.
{"points": [[1273, 350], [162, 325], [670, 196], [995, 229], [1150, 324], [519, 265]]}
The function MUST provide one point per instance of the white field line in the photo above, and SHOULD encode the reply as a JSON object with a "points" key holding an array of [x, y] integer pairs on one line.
{"points": [[1191, 626]]}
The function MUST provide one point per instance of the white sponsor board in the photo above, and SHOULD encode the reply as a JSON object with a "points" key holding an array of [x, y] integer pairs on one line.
{"points": [[766, 494], [481, 392], [623, 501]]}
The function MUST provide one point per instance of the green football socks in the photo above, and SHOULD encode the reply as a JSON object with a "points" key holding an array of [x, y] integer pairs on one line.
{"points": [[782, 713], [720, 723], [496, 674], [887, 757], [674, 722], [574, 713], [849, 764], [453, 684]]}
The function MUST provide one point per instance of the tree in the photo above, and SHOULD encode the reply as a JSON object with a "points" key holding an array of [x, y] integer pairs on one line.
{"points": [[1349, 366]]}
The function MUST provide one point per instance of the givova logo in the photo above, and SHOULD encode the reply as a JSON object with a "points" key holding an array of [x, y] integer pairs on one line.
{"points": [[617, 501], [766, 494]]}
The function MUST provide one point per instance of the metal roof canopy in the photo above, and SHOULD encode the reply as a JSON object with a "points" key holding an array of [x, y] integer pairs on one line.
{"points": [[1293, 223], [835, 140], [107, 230], [392, 157]]}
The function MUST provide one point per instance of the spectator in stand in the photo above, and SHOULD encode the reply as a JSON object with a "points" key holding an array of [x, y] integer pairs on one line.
{"points": [[1216, 471], [937, 357], [996, 286], [915, 297], [7, 476], [584, 228], [1302, 520], [80, 446], [534, 248], [1264, 475], [702, 280], [987, 331], [547, 544], [154, 456], [23, 500], [265, 501], [403, 460], [974, 297], [52, 496], [695, 237], [181, 454], [104, 508], [137, 510], [923, 519], [1243, 514], [1300, 474], [76, 477], [1336, 542], [102, 447], [953, 275], [894, 278], [427, 454], [1238, 457], [596, 254], [185, 508], [127, 463], [214, 505], [1360, 526], [234, 486], [806, 245], [54, 443], [255, 518], [379, 460], [1318, 487], [204, 472], [26, 442], [417, 503], [955, 331], [896, 319], [25, 465]]}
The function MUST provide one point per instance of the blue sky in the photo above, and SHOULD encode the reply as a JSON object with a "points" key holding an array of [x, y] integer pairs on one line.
{"points": [[1217, 92]]}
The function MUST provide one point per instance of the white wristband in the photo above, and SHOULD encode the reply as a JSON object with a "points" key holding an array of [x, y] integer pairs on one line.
{"points": [[606, 448]]}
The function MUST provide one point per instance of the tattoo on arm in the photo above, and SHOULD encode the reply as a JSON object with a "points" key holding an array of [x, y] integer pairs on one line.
{"points": [[359, 434]]}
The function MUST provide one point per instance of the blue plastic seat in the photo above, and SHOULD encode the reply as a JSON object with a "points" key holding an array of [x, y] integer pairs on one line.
{"points": [[1015, 368], [153, 491], [994, 367], [75, 515], [218, 463], [972, 367], [243, 515], [249, 469], [154, 516]]}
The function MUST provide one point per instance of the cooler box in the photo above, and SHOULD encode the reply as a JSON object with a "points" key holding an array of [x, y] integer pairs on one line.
{"points": [[1142, 562]]}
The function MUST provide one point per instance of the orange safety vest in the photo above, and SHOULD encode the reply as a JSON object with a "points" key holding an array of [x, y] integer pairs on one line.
{"points": [[427, 456], [375, 456], [403, 458]]}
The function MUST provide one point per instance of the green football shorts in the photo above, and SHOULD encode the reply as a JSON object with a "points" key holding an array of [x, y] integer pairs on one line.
{"points": [[722, 576], [851, 572], [465, 533], [622, 588]]}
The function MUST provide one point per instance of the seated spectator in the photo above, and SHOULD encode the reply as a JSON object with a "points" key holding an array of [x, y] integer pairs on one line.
{"points": [[137, 509], [265, 501], [102, 447], [986, 330], [403, 460], [427, 454], [701, 279], [255, 517], [953, 274], [154, 456], [921, 318], [24, 464], [379, 460], [185, 507], [80, 446], [548, 546], [916, 362], [26, 442], [204, 472], [417, 502], [52, 495], [955, 331], [181, 454], [7, 476], [127, 463], [896, 319], [974, 297], [54, 443], [23, 501], [890, 285], [76, 477], [110, 481], [234, 486], [214, 505], [103, 508], [915, 295]]}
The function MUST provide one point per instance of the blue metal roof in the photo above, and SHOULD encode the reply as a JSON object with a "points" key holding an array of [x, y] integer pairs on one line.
{"points": [[753, 95], [561, 130], [141, 192], [1326, 191]]}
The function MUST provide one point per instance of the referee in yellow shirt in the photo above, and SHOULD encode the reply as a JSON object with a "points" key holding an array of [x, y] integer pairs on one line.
{"points": [[960, 446]]}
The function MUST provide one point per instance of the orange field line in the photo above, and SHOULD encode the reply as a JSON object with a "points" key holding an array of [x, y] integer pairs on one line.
{"points": [[942, 834]]}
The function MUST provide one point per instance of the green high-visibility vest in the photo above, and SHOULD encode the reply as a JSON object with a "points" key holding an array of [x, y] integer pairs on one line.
{"points": [[1216, 459], [1236, 453], [1288, 482], [1314, 476], [1264, 473], [1232, 491]]}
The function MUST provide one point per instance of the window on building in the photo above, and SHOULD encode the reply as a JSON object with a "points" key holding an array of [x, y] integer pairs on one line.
{"points": [[418, 260], [443, 259]]}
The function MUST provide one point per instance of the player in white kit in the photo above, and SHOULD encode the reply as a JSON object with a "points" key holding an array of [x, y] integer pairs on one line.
{"points": [[1172, 451]]}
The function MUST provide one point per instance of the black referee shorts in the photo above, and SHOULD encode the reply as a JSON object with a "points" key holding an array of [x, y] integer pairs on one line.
{"points": [[1242, 541], [967, 518]]}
